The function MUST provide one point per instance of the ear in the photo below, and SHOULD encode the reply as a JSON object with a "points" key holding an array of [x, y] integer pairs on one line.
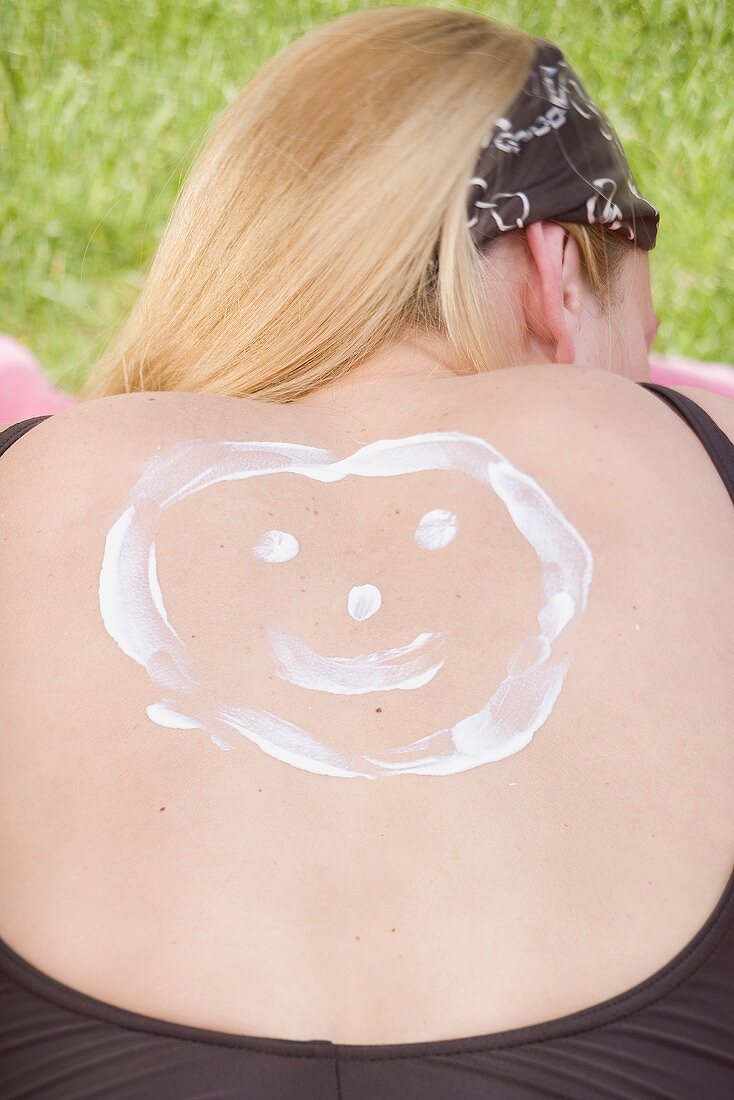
{"points": [[552, 297]]}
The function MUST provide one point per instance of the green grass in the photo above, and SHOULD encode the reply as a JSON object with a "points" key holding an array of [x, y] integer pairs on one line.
{"points": [[103, 105]]}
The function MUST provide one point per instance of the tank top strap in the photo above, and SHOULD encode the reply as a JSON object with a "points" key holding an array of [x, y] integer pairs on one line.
{"points": [[10, 435], [717, 443]]}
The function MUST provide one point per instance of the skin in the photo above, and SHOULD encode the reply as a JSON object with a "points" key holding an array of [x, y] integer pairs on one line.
{"points": [[359, 911]]}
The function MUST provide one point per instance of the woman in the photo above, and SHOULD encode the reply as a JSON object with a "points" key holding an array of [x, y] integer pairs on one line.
{"points": [[408, 772]]}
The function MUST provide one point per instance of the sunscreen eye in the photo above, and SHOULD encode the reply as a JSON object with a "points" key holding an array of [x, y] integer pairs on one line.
{"points": [[436, 529], [276, 546]]}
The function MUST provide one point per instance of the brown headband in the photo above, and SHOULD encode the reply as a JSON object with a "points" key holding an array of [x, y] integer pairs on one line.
{"points": [[554, 155]]}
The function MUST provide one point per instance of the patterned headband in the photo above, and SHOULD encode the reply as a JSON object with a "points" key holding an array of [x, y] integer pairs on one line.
{"points": [[555, 156]]}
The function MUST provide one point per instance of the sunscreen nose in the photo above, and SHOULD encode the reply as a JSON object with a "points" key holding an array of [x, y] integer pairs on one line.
{"points": [[363, 600]]}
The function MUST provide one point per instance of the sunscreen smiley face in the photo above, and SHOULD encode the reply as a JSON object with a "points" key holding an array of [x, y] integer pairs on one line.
{"points": [[134, 614]]}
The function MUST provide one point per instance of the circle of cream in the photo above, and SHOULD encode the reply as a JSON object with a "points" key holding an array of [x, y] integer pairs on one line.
{"points": [[134, 614]]}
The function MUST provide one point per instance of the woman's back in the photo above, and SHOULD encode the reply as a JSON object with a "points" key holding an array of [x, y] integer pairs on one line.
{"points": [[227, 889]]}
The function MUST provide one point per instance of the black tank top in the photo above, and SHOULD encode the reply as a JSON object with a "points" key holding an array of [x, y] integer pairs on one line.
{"points": [[671, 1037]]}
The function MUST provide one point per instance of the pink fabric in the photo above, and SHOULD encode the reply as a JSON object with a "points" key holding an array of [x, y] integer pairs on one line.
{"points": [[25, 390], [676, 370]]}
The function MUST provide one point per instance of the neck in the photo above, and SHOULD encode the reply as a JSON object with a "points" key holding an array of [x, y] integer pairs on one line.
{"points": [[418, 360]]}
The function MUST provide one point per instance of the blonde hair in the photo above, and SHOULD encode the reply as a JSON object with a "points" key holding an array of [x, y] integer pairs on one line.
{"points": [[326, 215]]}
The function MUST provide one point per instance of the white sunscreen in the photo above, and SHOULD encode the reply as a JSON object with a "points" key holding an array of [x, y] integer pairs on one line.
{"points": [[363, 600], [134, 614], [276, 546], [436, 529]]}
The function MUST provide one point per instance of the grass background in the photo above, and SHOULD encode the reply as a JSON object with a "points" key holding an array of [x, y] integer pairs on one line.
{"points": [[103, 106]]}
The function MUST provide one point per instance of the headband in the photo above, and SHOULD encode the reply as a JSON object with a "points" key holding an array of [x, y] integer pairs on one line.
{"points": [[554, 155]]}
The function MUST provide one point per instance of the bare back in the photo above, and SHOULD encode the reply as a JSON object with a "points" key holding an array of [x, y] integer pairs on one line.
{"points": [[227, 873]]}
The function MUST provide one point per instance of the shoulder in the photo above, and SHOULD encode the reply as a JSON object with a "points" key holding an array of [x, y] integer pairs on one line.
{"points": [[584, 430], [609, 400], [75, 466], [719, 408], [96, 427], [53, 473], [575, 408]]}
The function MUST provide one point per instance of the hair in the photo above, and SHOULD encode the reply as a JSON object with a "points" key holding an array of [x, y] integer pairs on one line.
{"points": [[326, 215]]}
